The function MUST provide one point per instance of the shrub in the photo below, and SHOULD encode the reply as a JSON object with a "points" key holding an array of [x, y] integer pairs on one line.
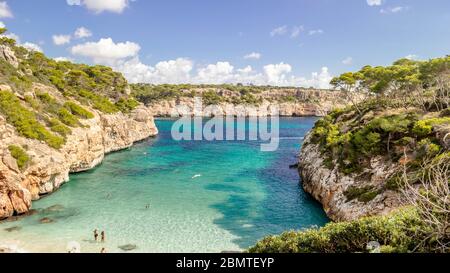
{"points": [[127, 105], [78, 110], [422, 128], [33, 102], [211, 98], [402, 231], [99, 102], [25, 121], [67, 118], [20, 155], [57, 127], [365, 194]]}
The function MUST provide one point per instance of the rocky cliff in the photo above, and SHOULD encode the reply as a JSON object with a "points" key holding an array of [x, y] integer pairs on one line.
{"points": [[248, 101], [58, 118], [49, 168], [329, 186], [355, 163]]}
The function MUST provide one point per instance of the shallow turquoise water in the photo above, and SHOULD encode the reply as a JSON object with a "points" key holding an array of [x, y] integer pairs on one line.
{"points": [[167, 196]]}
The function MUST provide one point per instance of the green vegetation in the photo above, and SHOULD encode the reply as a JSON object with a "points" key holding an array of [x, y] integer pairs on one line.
{"points": [[20, 155], [364, 194], [77, 110], [25, 121], [106, 87], [402, 231], [211, 98], [52, 106], [212, 94], [49, 115], [127, 105], [147, 93], [408, 104], [58, 127]]}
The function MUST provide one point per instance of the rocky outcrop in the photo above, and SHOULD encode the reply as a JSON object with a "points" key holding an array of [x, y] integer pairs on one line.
{"points": [[49, 168], [7, 54], [304, 102], [328, 186]]}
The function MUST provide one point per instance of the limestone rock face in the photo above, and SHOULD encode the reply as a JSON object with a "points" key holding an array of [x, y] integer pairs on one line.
{"points": [[49, 168], [307, 103], [328, 186], [8, 55]]}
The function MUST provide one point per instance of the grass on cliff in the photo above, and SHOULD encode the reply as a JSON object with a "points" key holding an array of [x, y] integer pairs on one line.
{"points": [[20, 155], [25, 121]]}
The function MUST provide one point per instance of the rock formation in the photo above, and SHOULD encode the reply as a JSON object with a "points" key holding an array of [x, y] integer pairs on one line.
{"points": [[303, 102], [50, 168], [328, 186]]}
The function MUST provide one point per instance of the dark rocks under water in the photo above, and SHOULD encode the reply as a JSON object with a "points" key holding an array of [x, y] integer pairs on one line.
{"points": [[12, 229], [46, 220], [128, 247]]}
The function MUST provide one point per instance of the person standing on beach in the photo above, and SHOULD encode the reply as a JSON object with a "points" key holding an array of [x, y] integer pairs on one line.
{"points": [[96, 235], [103, 251], [103, 237]]}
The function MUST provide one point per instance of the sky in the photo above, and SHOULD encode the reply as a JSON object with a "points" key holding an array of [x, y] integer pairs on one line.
{"points": [[276, 42]]}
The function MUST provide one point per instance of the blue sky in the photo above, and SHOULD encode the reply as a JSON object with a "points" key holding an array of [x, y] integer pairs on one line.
{"points": [[279, 42]]}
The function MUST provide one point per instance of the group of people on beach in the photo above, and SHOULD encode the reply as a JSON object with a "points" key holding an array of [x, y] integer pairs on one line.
{"points": [[102, 234], [102, 238]]}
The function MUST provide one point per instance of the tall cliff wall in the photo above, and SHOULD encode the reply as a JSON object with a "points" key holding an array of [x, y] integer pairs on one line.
{"points": [[49, 168], [288, 102]]}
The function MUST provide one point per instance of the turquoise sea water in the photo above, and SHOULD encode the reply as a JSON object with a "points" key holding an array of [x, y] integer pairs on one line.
{"points": [[167, 196]]}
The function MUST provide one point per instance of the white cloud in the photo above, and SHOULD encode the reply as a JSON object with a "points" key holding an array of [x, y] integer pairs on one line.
{"points": [[246, 70], [5, 11], [27, 45], [279, 31], [253, 56], [63, 59], [412, 57], [106, 51], [123, 57], [173, 71], [61, 39], [276, 73], [317, 80], [99, 6], [315, 31], [2, 25], [393, 10], [182, 70], [348, 61], [32, 46], [296, 30], [12, 36], [82, 32], [374, 2], [221, 72]]}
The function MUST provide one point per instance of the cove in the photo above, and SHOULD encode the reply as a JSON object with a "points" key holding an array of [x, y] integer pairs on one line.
{"points": [[162, 195]]}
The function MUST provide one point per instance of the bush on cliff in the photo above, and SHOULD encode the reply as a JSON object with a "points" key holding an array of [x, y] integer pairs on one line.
{"points": [[77, 110], [402, 231], [20, 155], [25, 121]]}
